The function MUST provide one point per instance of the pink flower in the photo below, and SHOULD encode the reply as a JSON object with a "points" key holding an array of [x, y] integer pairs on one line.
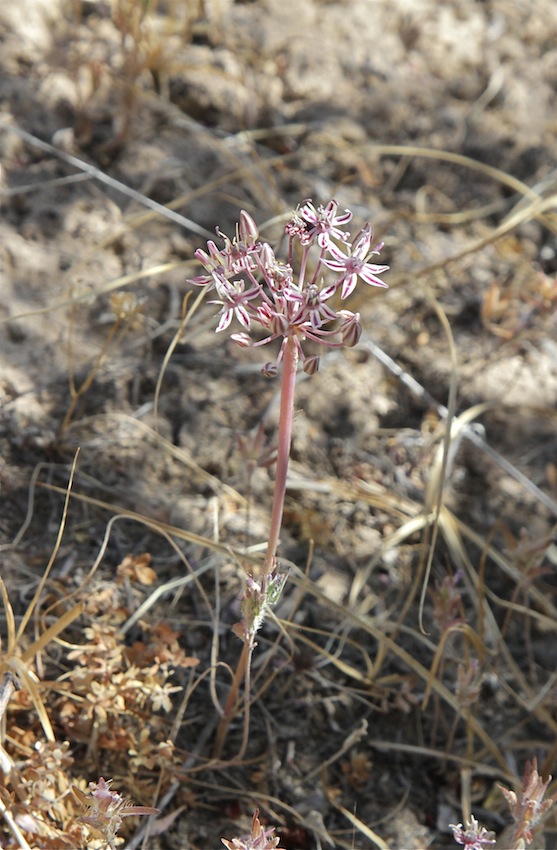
{"points": [[107, 808], [472, 835], [354, 265], [324, 223], [289, 299], [259, 838], [215, 262], [240, 251], [233, 298], [312, 307]]}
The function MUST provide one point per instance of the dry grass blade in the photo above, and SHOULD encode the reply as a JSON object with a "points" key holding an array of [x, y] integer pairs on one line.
{"points": [[380, 634], [63, 621], [173, 531], [10, 620], [30, 682], [19, 663], [13, 827], [102, 177], [365, 830], [435, 486], [32, 605]]}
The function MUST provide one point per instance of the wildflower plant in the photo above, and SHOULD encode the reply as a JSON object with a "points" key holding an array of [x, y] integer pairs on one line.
{"points": [[106, 809], [290, 303], [472, 835], [258, 839], [290, 300], [528, 806]]}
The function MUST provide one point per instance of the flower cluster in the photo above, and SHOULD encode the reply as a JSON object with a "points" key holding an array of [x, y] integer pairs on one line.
{"points": [[258, 290], [472, 835], [528, 806], [259, 838], [106, 809]]}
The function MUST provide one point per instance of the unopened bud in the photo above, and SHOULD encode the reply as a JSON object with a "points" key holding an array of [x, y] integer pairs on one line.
{"points": [[351, 329], [279, 324], [311, 365], [270, 370], [243, 340], [214, 251], [247, 229], [273, 586], [268, 259]]}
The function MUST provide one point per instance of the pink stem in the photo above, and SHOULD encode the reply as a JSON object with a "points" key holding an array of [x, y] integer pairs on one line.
{"points": [[289, 366]]}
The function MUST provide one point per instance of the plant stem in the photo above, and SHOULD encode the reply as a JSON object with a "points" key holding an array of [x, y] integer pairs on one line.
{"points": [[241, 672], [77, 392], [290, 363], [286, 415]]}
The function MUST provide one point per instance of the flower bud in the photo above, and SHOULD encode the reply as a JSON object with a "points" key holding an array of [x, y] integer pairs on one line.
{"points": [[269, 370], [351, 329], [279, 324], [268, 259], [247, 229], [311, 365], [273, 586], [241, 339]]}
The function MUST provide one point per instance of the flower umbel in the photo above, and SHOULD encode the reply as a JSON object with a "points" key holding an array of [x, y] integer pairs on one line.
{"points": [[282, 298]]}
